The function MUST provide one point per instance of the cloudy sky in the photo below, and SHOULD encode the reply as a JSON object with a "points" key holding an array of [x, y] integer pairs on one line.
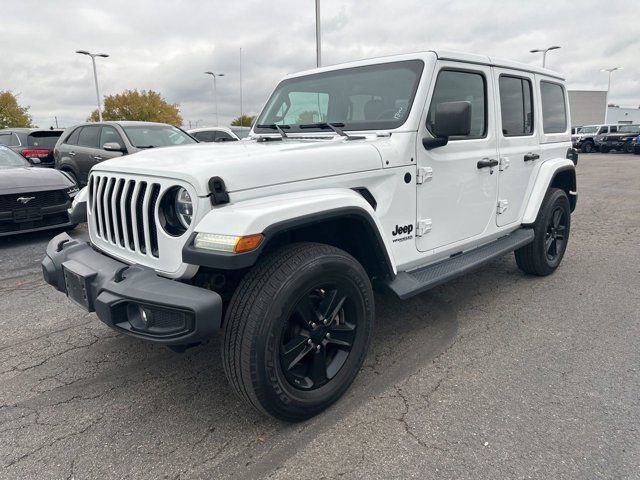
{"points": [[167, 45]]}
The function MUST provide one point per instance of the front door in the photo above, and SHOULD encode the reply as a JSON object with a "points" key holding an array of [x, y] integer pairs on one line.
{"points": [[459, 201], [517, 142]]}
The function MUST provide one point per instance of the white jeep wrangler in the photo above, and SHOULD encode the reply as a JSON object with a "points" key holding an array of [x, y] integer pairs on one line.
{"points": [[404, 171]]}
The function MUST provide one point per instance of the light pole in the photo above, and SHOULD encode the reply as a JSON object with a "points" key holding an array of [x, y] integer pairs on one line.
{"points": [[215, 92], [318, 47], [606, 103], [544, 53], [95, 75]]}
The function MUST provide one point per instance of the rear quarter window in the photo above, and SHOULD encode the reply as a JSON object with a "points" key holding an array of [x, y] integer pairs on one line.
{"points": [[554, 108]]}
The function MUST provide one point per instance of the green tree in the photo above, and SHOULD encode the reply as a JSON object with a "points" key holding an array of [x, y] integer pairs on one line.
{"points": [[147, 106], [11, 113], [243, 121]]}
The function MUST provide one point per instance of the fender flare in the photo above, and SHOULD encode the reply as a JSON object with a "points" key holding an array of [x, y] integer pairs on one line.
{"points": [[67, 165], [276, 214], [546, 175]]}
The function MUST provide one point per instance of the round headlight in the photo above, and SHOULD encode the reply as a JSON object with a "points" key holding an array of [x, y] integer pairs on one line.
{"points": [[176, 211], [184, 207]]}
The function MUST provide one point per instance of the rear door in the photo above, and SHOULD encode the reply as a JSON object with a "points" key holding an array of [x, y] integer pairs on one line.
{"points": [[87, 150], [518, 146]]}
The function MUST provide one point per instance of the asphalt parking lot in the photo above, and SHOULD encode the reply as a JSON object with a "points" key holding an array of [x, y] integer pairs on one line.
{"points": [[496, 375]]}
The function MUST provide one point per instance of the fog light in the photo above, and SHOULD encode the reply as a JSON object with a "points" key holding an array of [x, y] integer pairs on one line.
{"points": [[139, 317]]}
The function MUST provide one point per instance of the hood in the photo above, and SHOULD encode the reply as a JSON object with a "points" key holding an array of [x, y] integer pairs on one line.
{"points": [[250, 164], [31, 179]]}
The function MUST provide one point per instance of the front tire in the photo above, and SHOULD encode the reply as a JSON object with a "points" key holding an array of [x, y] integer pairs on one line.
{"points": [[297, 330], [628, 147], [587, 147], [551, 234]]}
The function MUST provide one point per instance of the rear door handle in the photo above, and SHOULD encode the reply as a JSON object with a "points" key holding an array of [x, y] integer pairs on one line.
{"points": [[73, 154], [488, 162], [530, 157], [97, 158]]}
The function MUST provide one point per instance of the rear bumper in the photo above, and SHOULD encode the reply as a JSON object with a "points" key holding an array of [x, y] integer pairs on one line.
{"points": [[175, 313]]}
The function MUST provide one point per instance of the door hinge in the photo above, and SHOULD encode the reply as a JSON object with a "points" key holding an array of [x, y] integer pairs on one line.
{"points": [[424, 226], [502, 206], [425, 174], [504, 164]]}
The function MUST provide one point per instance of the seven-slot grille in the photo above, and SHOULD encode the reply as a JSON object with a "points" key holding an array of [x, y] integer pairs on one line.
{"points": [[123, 212]]}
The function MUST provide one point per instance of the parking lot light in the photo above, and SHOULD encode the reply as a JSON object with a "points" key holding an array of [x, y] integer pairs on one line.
{"points": [[606, 103], [544, 53], [95, 75], [215, 93]]}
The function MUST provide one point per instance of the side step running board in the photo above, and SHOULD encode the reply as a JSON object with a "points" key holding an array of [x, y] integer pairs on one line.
{"points": [[407, 284]]}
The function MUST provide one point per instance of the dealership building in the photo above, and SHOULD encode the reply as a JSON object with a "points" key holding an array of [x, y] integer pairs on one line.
{"points": [[588, 108]]}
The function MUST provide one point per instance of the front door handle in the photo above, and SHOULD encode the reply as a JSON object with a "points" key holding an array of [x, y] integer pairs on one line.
{"points": [[488, 162], [97, 158], [530, 157], [73, 154]]}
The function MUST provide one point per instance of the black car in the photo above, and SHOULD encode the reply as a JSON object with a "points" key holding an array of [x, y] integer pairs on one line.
{"points": [[83, 146], [622, 140], [32, 198], [32, 143]]}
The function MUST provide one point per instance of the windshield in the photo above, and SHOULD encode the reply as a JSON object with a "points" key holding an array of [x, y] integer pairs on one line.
{"points": [[372, 97], [629, 129], [593, 129], [148, 136], [10, 159]]}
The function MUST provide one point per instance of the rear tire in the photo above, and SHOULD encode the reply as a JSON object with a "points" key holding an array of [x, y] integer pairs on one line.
{"points": [[604, 149], [551, 234], [297, 330], [628, 147], [587, 147]]}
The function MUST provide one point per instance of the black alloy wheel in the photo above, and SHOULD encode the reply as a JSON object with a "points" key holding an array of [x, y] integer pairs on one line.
{"points": [[555, 237], [318, 337]]}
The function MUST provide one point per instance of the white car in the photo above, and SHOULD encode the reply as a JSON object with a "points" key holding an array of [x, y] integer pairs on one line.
{"points": [[213, 134], [404, 171]]}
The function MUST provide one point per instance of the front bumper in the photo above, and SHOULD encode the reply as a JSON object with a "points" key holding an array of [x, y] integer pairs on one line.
{"points": [[175, 313]]}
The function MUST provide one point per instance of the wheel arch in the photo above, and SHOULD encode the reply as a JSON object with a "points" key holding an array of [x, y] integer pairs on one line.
{"points": [[337, 217], [557, 173]]}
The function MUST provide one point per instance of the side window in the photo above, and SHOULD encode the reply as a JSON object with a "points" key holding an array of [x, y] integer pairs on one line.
{"points": [[554, 110], [73, 138], [5, 138], [456, 86], [14, 141], [206, 136], [223, 137], [602, 130], [613, 129], [110, 135], [89, 136], [516, 106]]}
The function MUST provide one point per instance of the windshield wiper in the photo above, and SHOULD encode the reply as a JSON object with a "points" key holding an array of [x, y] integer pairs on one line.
{"points": [[275, 126], [335, 126]]}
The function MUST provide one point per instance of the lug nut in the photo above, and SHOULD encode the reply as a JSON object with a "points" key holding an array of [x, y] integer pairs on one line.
{"points": [[309, 342], [326, 321], [313, 325], [328, 335], [317, 348]]}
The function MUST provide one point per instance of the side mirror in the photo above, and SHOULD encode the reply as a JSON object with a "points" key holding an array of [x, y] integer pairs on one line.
{"points": [[113, 147], [451, 119], [35, 161]]}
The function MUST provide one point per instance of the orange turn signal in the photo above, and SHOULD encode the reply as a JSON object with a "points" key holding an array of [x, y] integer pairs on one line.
{"points": [[248, 243]]}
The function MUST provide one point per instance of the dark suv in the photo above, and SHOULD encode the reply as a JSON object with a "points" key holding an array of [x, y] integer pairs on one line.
{"points": [[32, 143], [622, 140], [82, 146]]}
